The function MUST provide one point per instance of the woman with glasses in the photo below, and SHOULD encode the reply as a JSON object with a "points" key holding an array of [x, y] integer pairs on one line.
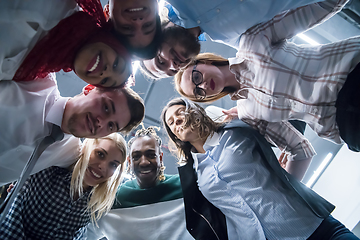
{"points": [[274, 80]]}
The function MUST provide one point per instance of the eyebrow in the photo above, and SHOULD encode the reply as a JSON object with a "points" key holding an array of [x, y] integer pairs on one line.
{"points": [[117, 161]]}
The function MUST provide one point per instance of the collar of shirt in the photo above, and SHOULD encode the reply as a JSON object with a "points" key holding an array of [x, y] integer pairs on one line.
{"points": [[208, 145], [56, 111]]}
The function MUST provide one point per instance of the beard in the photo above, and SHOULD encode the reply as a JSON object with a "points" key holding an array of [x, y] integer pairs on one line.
{"points": [[176, 34]]}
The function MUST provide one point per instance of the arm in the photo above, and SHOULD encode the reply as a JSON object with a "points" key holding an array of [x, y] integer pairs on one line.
{"points": [[289, 23], [285, 136]]}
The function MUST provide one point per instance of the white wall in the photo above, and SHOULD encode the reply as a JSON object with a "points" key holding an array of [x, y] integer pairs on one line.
{"points": [[340, 185]]}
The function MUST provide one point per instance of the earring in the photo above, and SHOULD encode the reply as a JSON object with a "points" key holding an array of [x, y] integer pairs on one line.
{"points": [[161, 176]]}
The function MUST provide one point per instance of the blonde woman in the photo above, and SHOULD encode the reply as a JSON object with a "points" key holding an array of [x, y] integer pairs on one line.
{"points": [[58, 203], [274, 80]]}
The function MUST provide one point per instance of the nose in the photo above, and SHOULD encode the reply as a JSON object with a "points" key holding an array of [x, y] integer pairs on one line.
{"points": [[106, 71], [137, 19], [203, 85], [144, 160], [174, 65]]}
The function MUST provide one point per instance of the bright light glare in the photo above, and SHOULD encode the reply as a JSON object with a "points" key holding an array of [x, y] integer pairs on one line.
{"points": [[319, 170], [307, 39]]}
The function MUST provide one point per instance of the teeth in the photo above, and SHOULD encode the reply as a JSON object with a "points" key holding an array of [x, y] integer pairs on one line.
{"points": [[147, 171], [135, 9], [96, 175], [96, 64]]}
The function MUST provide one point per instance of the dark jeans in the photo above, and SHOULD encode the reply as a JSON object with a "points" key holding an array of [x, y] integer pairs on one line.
{"points": [[348, 110], [332, 229]]}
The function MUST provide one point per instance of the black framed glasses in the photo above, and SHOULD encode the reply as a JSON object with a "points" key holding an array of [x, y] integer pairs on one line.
{"points": [[197, 79]]}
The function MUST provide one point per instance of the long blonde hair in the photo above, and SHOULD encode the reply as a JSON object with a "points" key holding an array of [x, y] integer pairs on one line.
{"points": [[102, 195], [204, 58]]}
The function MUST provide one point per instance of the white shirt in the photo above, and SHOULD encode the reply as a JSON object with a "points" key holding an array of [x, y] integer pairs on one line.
{"points": [[233, 177], [280, 80], [22, 24], [27, 110]]}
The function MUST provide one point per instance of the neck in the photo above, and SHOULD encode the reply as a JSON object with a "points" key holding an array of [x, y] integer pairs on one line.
{"points": [[146, 186], [199, 145]]}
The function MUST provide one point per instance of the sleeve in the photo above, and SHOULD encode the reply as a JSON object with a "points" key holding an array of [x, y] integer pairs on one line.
{"points": [[285, 137], [12, 226], [289, 23]]}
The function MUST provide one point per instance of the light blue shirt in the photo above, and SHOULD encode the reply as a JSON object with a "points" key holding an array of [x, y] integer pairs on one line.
{"points": [[226, 20], [257, 205]]}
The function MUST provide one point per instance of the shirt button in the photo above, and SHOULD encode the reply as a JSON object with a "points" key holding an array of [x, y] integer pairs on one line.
{"points": [[218, 10], [198, 22]]}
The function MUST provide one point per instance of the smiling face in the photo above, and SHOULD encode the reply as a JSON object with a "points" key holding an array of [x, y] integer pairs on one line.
{"points": [[145, 160], [98, 64], [105, 158], [213, 80], [96, 114], [135, 20], [175, 120], [179, 46]]}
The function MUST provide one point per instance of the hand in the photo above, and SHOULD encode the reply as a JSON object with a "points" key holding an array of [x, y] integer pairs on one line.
{"points": [[231, 114], [11, 186], [283, 159]]}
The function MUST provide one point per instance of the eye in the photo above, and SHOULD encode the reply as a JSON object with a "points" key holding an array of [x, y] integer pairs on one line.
{"points": [[106, 108], [104, 81], [100, 154], [116, 62], [111, 126], [151, 155], [113, 165], [136, 157], [159, 60]]}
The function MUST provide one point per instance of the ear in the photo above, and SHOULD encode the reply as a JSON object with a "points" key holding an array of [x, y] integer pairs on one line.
{"points": [[107, 12], [88, 88]]}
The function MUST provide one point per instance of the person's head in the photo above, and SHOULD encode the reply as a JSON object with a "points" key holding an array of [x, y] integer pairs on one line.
{"points": [[202, 80], [81, 43], [145, 158], [138, 25], [178, 47], [186, 123], [98, 112], [99, 168], [103, 61]]}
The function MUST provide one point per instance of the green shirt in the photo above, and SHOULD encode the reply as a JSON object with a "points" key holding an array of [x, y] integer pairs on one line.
{"points": [[130, 194]]}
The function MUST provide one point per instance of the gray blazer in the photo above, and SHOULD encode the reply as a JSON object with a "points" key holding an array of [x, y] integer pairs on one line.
{"points": [[315, 202]]}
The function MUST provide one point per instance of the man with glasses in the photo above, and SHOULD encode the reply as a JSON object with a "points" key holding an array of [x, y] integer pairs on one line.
{"points": [[151, 199]]}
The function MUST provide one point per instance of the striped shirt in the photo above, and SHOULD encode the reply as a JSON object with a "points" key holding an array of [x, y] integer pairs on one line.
{"points": [[280, 80], [234, 177], [44, 209]]}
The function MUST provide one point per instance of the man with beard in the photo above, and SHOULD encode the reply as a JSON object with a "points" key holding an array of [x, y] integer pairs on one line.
{"points": [[30, 109], [223, 20], [151, 199]]}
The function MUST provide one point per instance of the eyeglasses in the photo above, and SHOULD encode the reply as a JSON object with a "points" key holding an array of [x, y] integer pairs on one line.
{"points": [[149, 155], [197, 79]]}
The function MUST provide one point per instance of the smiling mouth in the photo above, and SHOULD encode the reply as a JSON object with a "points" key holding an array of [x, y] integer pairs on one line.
{"points": [[145, 171], [95, 174], [135, 9]]}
